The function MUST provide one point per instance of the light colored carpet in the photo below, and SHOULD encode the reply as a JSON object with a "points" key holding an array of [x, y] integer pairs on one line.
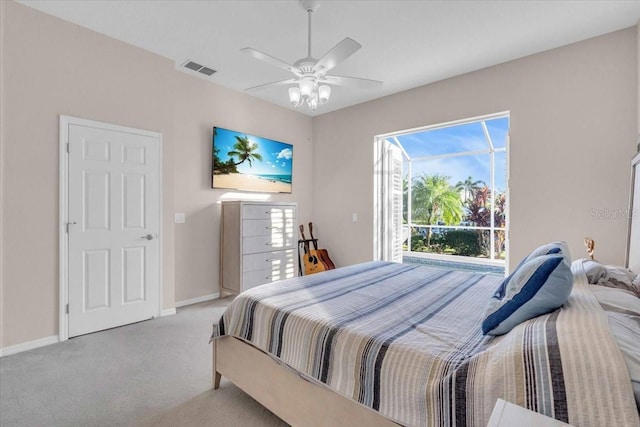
{"points": [[153, 373]]}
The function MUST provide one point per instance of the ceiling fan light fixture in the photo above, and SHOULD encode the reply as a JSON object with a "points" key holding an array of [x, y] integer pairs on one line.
{"points": [[294, 96], [313, 102], [324, 92], [308, 92], [309, 72], [306, 86]]}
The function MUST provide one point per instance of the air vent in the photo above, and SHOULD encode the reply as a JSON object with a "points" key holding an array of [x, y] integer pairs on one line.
{"points": [[199, 68], [207, 71]]}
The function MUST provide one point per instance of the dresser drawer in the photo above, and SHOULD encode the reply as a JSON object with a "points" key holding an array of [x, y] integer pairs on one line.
{"points": [[251, 279], [268, 260], [267, 227], [272, 213], [257, 244]]}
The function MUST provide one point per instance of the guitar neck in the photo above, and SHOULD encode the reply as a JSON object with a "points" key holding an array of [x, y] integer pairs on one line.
{"points": [[304, 240], [314, 240]]}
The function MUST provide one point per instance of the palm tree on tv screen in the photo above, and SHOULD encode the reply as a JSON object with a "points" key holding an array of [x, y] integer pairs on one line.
{"points": [[244, 150]]}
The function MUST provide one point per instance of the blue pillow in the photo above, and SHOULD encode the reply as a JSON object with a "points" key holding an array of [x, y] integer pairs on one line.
{"points": [[539, 285], [559, 248]]}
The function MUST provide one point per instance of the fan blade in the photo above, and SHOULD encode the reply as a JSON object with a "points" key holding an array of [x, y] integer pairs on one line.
{"points": [[337, 54], [355, 82], [270, 59], [279, 83]]}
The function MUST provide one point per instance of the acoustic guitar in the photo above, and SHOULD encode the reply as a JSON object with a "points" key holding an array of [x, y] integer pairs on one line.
{"points": [[312, 263], [322, 253]]}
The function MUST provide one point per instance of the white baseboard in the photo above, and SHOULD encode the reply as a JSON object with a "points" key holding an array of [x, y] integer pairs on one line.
{"points": [[29, 345], [197, 300], [168, 312]]}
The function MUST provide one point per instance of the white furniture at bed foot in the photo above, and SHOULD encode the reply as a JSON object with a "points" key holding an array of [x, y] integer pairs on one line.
{"points": [[507, 414]]}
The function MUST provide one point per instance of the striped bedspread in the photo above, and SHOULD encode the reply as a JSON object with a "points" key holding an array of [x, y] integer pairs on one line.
{"points": [[406, 341]]}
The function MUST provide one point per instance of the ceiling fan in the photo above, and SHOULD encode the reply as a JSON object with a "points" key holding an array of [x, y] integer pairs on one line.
{"points": [[311, 82]]}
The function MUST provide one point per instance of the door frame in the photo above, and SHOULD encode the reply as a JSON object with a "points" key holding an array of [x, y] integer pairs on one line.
{"points": [[631, 257], [63, 194]]}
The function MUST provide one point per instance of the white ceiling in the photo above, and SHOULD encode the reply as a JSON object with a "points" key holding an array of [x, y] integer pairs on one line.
{"points": [[405, 44]]}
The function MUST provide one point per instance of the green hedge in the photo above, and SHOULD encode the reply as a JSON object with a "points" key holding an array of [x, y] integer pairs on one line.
{"points": [[457, 242], [464, 242]]}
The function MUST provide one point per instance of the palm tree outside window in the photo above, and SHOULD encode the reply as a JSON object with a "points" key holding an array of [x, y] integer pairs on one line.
{"points": [[455, 188]]}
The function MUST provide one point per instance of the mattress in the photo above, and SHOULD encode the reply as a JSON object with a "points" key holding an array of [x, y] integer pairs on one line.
{"points": [[405, 340]]}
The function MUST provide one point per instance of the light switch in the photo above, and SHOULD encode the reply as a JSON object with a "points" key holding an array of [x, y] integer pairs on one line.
{"points": [[354, 217], [180, 218]]}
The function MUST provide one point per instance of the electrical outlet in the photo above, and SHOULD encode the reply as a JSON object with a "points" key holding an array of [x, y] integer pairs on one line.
{"points": [[180, 218]]}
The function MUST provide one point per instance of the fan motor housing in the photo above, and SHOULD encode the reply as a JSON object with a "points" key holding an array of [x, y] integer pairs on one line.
{"points": [[305, 65], [309, 5]]}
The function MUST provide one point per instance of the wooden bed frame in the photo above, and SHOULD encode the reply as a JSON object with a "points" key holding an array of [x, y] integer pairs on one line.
{"points": [[291, 397]]}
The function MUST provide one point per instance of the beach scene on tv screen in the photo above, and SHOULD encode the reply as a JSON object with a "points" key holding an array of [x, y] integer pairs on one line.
{"points": [[251, 163]]}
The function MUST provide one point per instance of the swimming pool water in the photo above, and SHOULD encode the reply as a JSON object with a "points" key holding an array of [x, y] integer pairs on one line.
{"points": [[455, 265]]}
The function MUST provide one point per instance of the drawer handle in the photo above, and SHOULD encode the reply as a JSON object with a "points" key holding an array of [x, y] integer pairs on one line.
{"points": [[269, 227], [268, 260], [268, 277], [269, 244]]}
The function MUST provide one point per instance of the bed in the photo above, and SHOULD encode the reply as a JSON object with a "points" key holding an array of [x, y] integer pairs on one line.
{"points": [[381, 344]]}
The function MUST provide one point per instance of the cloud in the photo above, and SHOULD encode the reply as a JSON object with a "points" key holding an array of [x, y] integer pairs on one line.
{"points": [[286, 153]]}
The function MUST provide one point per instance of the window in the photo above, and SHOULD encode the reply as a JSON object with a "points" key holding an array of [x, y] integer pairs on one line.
{"points": [[454, 190]]}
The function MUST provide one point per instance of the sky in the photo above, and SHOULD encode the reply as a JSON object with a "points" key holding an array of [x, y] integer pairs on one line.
{"points": [[277, 157], [457, 139]]}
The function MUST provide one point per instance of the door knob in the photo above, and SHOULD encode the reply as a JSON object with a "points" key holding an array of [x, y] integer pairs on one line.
{"points": [[148, 237]]}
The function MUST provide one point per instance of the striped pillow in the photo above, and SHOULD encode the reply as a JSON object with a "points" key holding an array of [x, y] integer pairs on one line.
{"points": [[540, 284], [559, 248]]}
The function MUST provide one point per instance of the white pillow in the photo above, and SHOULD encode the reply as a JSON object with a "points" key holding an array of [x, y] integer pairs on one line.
{"points": [[594, 271], [623, 310], [626, 330], [617, 300], [619, 277]]}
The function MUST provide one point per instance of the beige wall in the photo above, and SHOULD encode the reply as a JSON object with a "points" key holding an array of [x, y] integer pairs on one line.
{"points": [[51, 67], [574, 127], [573, 132], [199, 106]]}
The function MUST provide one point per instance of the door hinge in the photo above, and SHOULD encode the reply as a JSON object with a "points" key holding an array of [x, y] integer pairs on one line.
{"points": [[70, 223], [67, 147], [67, 309]]}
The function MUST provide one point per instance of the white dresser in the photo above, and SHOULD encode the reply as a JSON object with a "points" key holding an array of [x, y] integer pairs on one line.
{"points": [[258, 244]]}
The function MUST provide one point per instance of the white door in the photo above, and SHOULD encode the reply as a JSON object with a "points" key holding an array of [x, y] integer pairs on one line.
{"points": [[113, 214]]}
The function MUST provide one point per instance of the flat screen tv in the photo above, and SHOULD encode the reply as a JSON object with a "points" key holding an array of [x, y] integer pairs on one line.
{"points": [[250, 163]]}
